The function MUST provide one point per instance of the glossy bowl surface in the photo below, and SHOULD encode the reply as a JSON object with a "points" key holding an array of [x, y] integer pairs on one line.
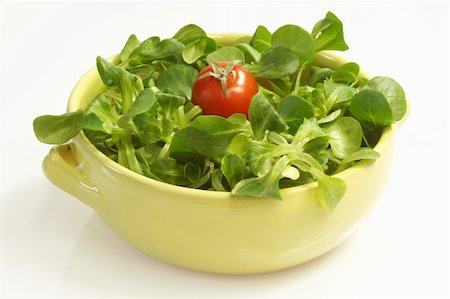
{"points": [[207, 230]]}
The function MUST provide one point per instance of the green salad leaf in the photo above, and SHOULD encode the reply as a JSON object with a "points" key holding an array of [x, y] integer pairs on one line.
{"points": [[393, 93], [208, 136], [346, 73], [189, 33], [178, 80], [364, 153], [275, 63], [194, 50], [253, 54], [296, 39], [226, 54], [261, 39], [345, 136], [330, 190], [371, 108], [128, 84], [100, 115], [293, 110], [233, 168], [164, 49], [265, 186], [328, 34], [264, 117], [144, 101], [131, 45], [144, 46], [57, 129]]}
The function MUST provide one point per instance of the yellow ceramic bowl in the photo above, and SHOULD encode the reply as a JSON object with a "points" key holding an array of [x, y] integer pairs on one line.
{"points": [[207, 230]]}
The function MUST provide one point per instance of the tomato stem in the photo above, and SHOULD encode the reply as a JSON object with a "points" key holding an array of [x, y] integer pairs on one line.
{"points": [[221, 73]]}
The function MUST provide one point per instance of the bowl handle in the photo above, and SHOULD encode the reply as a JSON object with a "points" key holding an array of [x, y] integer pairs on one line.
{"points": [[62, 169]]}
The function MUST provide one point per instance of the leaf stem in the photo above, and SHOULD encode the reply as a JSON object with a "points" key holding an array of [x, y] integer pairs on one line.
{"points": [[299, 77], [182, 122], [334, 159], [164, 151], [196, 110]]}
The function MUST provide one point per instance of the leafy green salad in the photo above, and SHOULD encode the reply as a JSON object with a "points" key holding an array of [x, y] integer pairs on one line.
{"points": [[250, 117]]}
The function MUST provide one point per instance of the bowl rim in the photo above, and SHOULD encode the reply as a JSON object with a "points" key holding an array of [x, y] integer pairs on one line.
{"points": [[81, 139]]}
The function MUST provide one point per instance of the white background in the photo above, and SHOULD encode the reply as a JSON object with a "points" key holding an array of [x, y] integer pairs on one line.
{"points": [[53, 246]]}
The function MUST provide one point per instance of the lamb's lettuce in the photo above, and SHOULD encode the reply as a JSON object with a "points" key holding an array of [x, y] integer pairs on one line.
{"points": [[57, 129], [306, 123], [328, 34]]}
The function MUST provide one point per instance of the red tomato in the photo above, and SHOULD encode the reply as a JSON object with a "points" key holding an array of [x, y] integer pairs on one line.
{"points": [[209, 93]]}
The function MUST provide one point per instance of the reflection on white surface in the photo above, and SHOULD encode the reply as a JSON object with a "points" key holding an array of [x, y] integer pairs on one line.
{"points": [[39, 225], [102, 263]]}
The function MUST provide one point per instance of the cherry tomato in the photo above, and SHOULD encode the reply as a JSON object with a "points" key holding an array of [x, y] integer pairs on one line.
{"points": [[224, 91]]}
